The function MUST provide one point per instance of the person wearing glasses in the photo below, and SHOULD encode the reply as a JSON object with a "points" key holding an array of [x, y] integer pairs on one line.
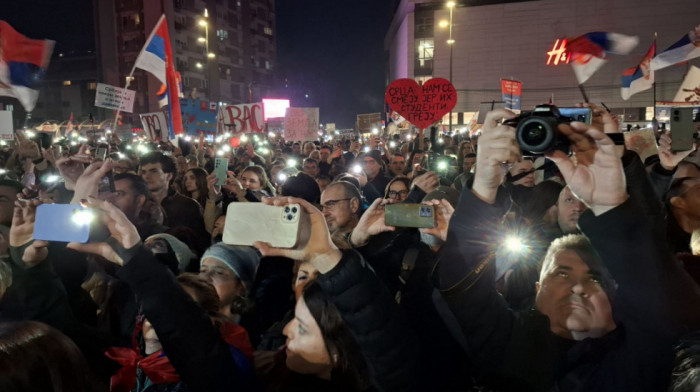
{"points": [[377, 180], [398, 189], [340, 203]]}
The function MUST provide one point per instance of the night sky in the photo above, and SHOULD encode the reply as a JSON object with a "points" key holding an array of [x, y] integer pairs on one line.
{"points": [[331, 50]]}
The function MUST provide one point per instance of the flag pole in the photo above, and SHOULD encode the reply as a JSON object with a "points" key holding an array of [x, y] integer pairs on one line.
{"points": [[654, 84], [583, 92]]}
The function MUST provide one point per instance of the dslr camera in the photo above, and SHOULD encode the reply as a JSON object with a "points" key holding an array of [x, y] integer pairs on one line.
{"points": [[536, 131]]}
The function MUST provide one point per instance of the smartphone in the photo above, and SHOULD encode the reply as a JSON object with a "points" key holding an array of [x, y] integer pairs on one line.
{"points": [[577, 114], [107, 183], [280, 226], [221, 170], [57, 151], [63, 223], [409, 215], [101, 153], [682, 129]]}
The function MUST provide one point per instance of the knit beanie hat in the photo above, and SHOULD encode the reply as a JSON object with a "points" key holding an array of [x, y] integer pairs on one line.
{"points": [[183, 253], [243, 261]]}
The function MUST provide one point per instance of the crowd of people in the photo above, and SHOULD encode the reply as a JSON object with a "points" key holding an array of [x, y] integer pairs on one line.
{"points": [[578, 272]]}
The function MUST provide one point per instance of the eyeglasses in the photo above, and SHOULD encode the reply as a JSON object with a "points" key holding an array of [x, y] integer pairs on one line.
{"points": [[394, 194], [369, 161], [330, 204]]}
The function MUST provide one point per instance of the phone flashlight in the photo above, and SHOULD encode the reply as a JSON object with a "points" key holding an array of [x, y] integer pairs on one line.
{"points": [[366, 149], [51, 178], [281, 178], [442, 165], [83, 217], [392, 144], [357, 169], [291, 162], [515, 244]]}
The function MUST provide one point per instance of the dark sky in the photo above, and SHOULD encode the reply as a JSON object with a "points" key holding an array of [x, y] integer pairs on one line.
{"points": [[335, 50], [331, 50]]}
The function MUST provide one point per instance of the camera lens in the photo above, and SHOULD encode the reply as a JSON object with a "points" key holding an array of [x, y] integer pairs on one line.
{"points": [[286, 209], [290, 217], [534, 134], [294, 210], [537, 134]]}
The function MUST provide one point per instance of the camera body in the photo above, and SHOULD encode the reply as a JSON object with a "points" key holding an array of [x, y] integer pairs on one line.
{"points": [[536, 131]]}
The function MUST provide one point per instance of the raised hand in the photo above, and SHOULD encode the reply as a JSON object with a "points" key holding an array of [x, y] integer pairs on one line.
{"points": [[214, 190], [121, 229], [71, 168], [318, 249], [497, 146], [87, 185], [427, 182], [669, 159], [371, 223], [22, 232], [599, 180], [443, 213]]}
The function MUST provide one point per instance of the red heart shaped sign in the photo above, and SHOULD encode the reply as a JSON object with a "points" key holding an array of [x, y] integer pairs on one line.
{"points": [[421, 105]]}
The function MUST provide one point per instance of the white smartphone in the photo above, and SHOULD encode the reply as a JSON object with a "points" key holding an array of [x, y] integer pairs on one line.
{"points": [[281, 226]]}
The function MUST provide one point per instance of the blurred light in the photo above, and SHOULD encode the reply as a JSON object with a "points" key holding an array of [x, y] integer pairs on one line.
{"points": [[271, 134], [227, 134], [127, 147], [198, 65], [291, 162], [463, 130], [108, 132], [244, 138], [51, 178], [3, 143], [392, 144], [201, 39], [281, 178], [451, 4], [273, 108], [440, 141], [74, 143], [142, 149], [203, 23], [2, 171], [211, 55], [263, 151], [450, 41], [206, 13], [408, 137], [442, 165], [121, 155], [220, 153], [226, 148], [366, 149], [218, 139], [443, 23], [357, 169], [514, 244], [188, 138], [337, 132], [306, 95], [102, 139], [74, 134], [255, 137], [83, 217], [30, 134], [375, 131]]}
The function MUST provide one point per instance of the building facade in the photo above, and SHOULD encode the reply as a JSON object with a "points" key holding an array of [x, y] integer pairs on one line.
{"points": [[496, 40], [224, 50]]}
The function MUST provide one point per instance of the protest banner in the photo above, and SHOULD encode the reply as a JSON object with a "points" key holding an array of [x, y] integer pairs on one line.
{"points": [[155, 125], [6, 131], [365, 122], [276, 125], [198, 116], [115, 98], [511, 93], [424, 105], [244, 118], [689, 92], [301, 124]]}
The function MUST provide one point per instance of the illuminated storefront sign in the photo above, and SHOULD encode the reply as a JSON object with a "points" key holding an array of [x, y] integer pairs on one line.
{"points": [[558, 54]]}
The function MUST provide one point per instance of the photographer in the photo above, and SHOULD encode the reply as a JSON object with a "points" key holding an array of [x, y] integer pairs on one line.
{"points": [[586, 332]]}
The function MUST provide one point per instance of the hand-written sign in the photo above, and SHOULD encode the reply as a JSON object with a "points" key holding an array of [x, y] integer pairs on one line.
{"points": [[245, 118], [155, 125], [115, 98], [421, 105], [301, 124]]}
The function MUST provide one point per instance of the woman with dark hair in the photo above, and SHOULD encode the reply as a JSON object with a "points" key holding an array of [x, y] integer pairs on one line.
{"points": [[37, 357], [398, 188], [194, 185], [304, 186], [319, 344]]}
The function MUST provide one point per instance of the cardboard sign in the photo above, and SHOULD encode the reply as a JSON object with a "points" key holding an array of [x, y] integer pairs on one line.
{"points": [[6, 129], [643, 142], [689, 91], [244, 118], [301, 124], [155, 125], [511, 93], [421, 106], [115, 98], [365, 122], [198, 116]]}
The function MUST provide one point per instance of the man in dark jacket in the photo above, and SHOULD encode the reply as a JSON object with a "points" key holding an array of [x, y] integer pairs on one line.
{"points": [[572, 340]]}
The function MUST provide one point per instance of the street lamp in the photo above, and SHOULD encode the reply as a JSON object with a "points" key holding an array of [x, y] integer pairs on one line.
{"points": [[450, 41], [210, 55]]}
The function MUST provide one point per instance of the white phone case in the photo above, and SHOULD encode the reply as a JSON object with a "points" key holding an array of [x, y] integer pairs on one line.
{"points": [[247, 223]]}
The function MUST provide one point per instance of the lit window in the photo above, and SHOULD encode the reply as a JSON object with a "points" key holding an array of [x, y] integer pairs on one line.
{"points": [[66, 82], [222, 34], [268, 65], [92, 86], [425, 50], [268, 31]]}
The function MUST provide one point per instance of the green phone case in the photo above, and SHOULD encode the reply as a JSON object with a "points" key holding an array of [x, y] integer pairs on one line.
{"points": [[410, 215]]}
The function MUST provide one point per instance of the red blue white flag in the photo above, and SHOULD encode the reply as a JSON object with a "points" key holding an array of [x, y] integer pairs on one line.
{"points": [[639, 78], [589, 52], [156, 57], [23, 63], [685, 49]]}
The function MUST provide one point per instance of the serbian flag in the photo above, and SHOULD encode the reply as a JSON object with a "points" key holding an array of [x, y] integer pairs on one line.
{"points": [[23, 63], [156, 57], [639, 78], [685, 49], [589, 52]]}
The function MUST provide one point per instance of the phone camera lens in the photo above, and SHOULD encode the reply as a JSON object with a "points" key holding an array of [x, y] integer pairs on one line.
{"points": [[294, 210], [286, 209], [290, 217]]}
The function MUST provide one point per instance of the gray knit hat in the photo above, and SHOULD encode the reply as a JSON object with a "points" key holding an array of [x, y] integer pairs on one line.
{"points": [[243, 261]]}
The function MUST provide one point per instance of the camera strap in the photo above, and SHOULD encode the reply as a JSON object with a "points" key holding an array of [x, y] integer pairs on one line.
{"points": [[408, 264]]}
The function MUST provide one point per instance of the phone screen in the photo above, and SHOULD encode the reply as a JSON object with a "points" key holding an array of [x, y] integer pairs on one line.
{"points": [[577, 114]]}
